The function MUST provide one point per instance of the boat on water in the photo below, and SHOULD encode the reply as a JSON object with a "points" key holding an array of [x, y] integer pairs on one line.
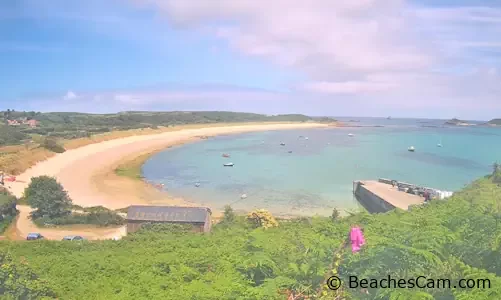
{"points": [[243, 196], [282, 144], [229, 164], [389, 118], [290, 151], [350, 134], [226, 155], [440, 144], [306, 138], [197, 184], [411, 149]]}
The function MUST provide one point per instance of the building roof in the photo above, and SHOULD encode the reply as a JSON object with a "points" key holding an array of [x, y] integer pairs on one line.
{"points": [[167, 213]]}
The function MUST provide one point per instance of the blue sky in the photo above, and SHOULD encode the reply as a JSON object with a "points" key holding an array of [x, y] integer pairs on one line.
{"points": [[370, 58]]}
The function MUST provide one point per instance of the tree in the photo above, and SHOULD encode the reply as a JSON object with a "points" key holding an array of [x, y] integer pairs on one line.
{"points": [[228, 215], [495, 168], [48, 197]]}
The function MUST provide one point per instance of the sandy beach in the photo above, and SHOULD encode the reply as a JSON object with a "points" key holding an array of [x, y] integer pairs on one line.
{"points": [[87, 173]]}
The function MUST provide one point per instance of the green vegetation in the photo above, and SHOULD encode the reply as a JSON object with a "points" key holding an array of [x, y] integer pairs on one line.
{"points": [[495, 122], [54, 207], [17, 281], [11, 136], [132, 168], [71, 125], [258, 257], [8, 210]]}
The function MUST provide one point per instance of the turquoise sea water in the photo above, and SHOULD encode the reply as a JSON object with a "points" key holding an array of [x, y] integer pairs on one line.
{"points": [[319, 172]]}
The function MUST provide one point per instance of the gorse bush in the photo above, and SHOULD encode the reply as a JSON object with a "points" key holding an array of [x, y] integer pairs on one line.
{"points": [[262, 218]]}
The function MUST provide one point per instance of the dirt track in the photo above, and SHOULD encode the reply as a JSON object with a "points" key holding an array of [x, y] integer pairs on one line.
{"points": [[24, 225]]}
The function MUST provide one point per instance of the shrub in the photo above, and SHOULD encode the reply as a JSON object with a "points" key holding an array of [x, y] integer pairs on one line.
{"points": [[8, 210], [97, 215], [335, 214], [51, 144]]}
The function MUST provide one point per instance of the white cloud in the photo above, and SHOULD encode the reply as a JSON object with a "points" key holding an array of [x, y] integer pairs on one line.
{"points": [[380, 50], [70, 95]]}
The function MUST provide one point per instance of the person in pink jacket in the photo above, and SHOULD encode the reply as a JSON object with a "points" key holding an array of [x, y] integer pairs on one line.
{"points": [[357, 238]]}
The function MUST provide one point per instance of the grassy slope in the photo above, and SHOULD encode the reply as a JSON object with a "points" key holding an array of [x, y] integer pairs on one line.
{"points": [[458, 238]]}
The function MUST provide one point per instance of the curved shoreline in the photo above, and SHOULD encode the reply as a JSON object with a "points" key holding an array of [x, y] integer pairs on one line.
{"points": [[88, 172]]}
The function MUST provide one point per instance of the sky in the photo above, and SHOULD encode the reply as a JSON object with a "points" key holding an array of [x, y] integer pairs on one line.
{"points": [[419, 58]]}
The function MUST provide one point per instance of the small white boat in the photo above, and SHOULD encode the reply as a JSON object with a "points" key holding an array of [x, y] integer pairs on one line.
{"points": [[411, 149], [282, 144], [197, 184], [306, 138], [243, 196], [290, 151], [439, 145], [350, 134], [229, 164]]}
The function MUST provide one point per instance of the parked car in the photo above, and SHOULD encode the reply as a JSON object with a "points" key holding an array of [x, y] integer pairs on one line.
{"points": [[73, 238], [34, 236]]}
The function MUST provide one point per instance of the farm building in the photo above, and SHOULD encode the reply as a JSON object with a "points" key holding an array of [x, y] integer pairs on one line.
{"points": [[198, 217]]}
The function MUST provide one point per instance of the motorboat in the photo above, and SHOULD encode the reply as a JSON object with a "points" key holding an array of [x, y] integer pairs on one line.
{"points": [[197, 184], [282, 144], [306, 138], [243, 196], [350, 134], [439, 145], [226, 155], [411, 149], [229, 164], [290, 151]]}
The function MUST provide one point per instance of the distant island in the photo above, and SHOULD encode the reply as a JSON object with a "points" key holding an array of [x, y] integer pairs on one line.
{"points": [[457, 122], [494, 122]]}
